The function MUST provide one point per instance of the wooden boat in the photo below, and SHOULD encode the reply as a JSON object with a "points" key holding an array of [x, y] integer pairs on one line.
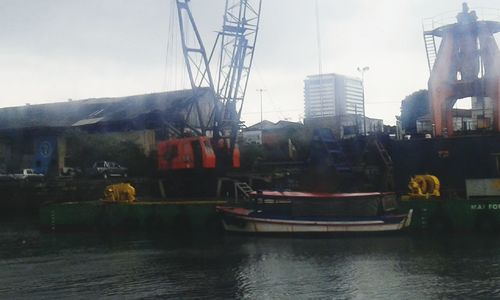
{"points": [[297, 212]]}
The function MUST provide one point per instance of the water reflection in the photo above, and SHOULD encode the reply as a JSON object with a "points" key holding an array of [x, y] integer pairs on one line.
{"points": [[149, 266]]}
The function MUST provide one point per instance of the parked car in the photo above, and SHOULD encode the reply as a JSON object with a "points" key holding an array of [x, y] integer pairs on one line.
{"points": [[28, 174], [107, 169]]}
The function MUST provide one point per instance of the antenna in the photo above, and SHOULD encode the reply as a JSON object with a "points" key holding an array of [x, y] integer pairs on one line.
{"points": [[320, 63], [318, 38]]}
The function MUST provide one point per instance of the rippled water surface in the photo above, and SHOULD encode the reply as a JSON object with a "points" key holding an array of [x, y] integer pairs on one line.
{"points": [[45, 265]]}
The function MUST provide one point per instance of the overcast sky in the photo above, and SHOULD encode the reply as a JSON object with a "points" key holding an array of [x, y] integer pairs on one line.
{"points": [[55, 50]]}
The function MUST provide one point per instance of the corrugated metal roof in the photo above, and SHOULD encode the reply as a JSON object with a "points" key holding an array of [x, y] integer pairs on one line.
{"points": [[268, 125], [93, 111]]}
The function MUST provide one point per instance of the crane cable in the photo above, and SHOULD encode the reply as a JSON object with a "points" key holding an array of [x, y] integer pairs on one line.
{"points": [[171, 42], [320, 63], [318, 38]]}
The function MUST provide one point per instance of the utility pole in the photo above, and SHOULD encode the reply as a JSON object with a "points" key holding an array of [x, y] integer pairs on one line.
{"points": [[261, 113], [362, 71]]}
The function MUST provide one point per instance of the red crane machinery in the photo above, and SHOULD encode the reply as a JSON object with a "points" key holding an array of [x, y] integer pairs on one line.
{"points": [[466, 65], [213, 144]]}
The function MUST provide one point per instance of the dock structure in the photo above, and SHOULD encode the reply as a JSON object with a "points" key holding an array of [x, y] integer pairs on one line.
{"points": [[156, 216]]}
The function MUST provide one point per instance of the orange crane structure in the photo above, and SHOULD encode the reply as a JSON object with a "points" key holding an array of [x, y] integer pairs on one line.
{"points": [[214, 143], [467, 64]]}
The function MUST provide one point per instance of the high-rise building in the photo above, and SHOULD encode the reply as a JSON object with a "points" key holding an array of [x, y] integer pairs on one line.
{"points": [[329, 95], [336, 102]]}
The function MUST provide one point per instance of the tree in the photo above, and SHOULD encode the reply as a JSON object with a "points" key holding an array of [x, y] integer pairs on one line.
{"points": [[413, 107]]}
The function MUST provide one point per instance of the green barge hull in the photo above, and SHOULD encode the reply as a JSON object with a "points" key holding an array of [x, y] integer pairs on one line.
{"points": [[431, 215], [461, 215], [174, 216]]}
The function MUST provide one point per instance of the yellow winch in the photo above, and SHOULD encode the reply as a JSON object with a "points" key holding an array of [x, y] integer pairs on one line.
{"points": [[424, 186], [121, 192]]}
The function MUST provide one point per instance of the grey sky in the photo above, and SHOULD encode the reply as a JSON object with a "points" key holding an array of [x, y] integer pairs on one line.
{"points": [[53, 50]]}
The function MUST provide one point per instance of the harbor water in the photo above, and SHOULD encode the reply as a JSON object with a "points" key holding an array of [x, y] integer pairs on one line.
{"points": [[34, 264]]}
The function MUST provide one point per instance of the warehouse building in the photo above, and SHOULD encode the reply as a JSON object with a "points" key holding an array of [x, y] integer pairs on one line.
{"points": [[33, 136]]}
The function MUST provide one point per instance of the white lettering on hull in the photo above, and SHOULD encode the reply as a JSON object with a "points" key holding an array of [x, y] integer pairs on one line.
{"points": [[491, 206]]}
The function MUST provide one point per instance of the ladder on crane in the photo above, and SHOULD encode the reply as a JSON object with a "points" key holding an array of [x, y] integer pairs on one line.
{"points": [[430, 49], [428, 25]]}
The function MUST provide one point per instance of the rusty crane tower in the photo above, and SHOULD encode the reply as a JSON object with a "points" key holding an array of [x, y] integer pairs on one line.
{"points": [[235, 44], [467, 64]]}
